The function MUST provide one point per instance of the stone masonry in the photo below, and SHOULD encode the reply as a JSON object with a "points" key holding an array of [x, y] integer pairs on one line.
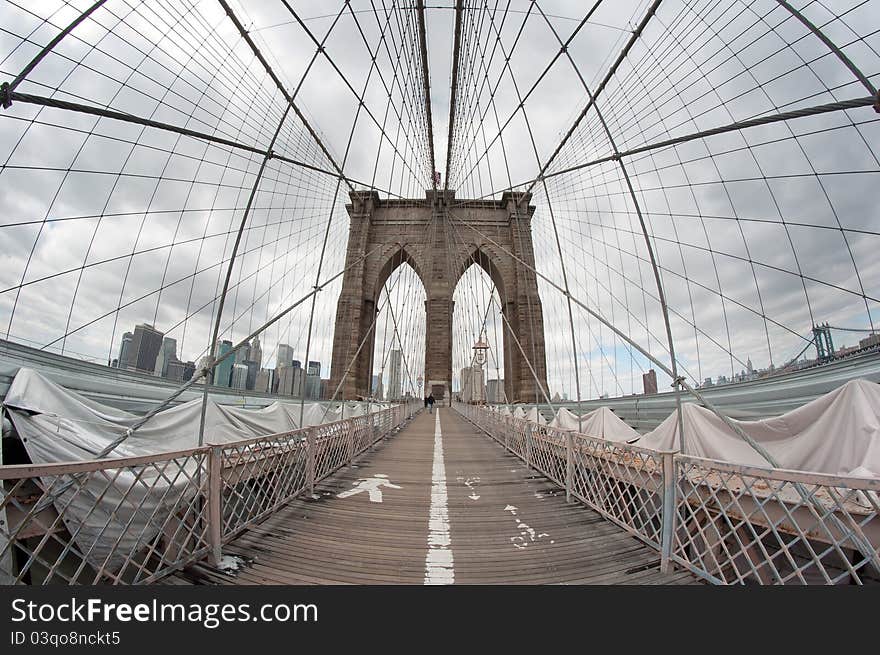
{"points": [[422, 234]]}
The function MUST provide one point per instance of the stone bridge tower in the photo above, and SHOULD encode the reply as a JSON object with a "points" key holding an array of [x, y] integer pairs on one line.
{"points": [[420, 233]]}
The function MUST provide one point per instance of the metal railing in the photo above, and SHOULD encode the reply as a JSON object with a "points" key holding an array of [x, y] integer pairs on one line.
{"points": [[133, 520], [726, 523]]}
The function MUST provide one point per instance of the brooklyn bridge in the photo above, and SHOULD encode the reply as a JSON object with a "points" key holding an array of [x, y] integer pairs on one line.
{"points": [[516, 292]]}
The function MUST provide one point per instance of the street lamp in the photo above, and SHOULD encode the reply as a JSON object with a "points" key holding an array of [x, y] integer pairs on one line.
{"points": [[480, 348]]}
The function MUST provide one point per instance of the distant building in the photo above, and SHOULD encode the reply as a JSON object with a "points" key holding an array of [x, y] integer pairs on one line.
{"points": [[378, 391], [326, 391], [284, 374], [178, 371], [263, 382], [239, 376], [285, 356], [649, 382], [256, 352], [145, 346], [223, 370], [167, 354], [253, 368], [297, 384], [124, 348], [464, 382], [243, 354], [495, 391], [394, 360], [472, 389], [312, 384]]}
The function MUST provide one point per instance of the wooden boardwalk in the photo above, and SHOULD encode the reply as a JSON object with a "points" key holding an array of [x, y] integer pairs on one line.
{"points": [[505, 524]]}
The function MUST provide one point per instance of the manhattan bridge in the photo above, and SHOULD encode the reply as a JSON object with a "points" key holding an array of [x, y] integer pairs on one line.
{"points": [[629, 250]]}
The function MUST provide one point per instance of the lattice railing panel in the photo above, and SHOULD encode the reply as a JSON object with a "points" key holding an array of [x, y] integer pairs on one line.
{"points": [[622, 482], [118, 521], [739, 524], [548, 453], [259, 475]]}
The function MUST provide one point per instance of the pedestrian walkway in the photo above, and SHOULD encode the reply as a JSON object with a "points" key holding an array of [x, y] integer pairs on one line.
{"points": [[438, 503]]}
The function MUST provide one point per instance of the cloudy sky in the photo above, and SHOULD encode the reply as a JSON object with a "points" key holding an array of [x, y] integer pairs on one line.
{"points": [[757, 234]]}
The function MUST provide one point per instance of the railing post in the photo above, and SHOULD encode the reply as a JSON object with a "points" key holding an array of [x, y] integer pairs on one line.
{"points": [[668, 516], [569, 465], [215, 509], [506, 428], [528, 445], [311, 443]]}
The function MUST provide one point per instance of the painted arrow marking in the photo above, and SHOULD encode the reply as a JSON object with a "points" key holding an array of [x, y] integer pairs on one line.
{"points": [[527, 534], [470, 482], [372, 486]]}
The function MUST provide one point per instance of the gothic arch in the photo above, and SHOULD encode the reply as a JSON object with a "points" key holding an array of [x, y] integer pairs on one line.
{"points": [[389, 261], [483, 257]]}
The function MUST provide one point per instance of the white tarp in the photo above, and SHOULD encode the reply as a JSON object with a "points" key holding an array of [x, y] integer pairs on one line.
{"points": [[58, 425], [838, 433], [271, 419], [601, 423], [535, 416]]}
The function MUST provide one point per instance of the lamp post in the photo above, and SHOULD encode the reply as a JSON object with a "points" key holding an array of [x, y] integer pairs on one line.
{"points": [[480, 348]]}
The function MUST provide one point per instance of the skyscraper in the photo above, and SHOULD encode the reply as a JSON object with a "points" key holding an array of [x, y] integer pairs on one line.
{"points": [[649, 382], [253, 368], [377, 386], [124, 348], [495, 391], [167, 354], [223, 370], [179, 371], [472, 387], [394, 358], [145, 345], [313, 381], [256, 352], [285, 355], [239, 376], [285, 380], [264, 380], [465, 381], [296, 374], [243, 353]]}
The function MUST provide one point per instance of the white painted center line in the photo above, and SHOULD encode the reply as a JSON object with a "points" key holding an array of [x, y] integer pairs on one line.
{"points": [[438, 561]]}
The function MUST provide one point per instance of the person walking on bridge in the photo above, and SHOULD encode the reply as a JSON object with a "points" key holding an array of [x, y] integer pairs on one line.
{"points": [[431, 404]]}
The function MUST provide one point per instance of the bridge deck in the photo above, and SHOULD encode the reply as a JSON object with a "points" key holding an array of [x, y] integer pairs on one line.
{"points": [[506, 524]]}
